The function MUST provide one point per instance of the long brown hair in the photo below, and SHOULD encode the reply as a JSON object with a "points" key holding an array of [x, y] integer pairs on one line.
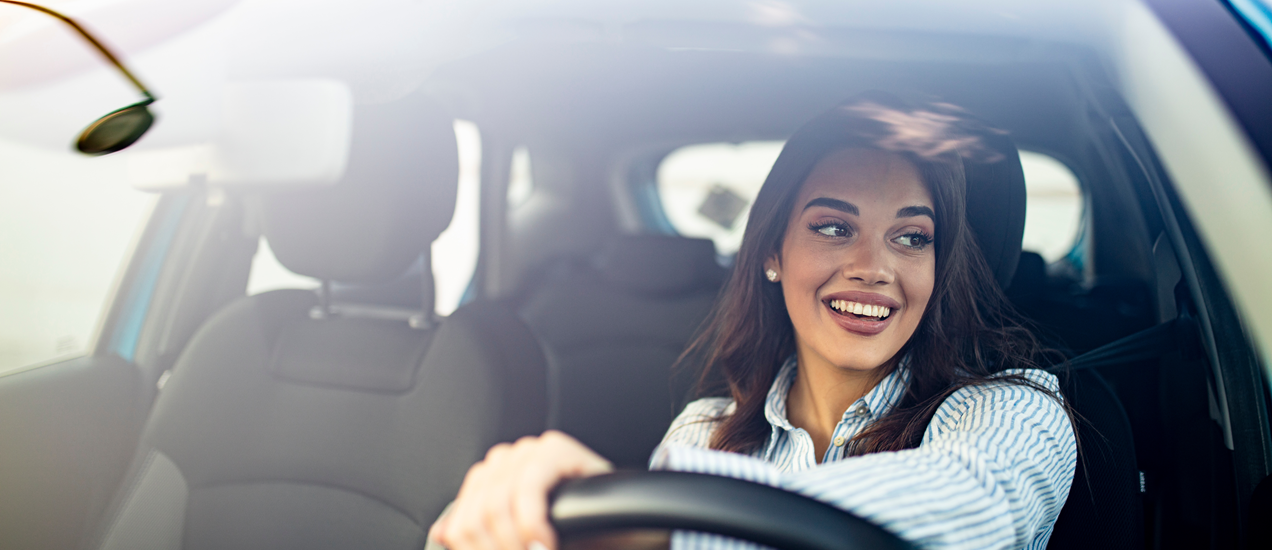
{"points": [[968, 332]]}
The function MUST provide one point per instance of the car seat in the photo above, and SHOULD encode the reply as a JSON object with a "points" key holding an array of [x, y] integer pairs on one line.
{"points": [[293, 420], [1105, 506], [613, 328], [1078, 318], [1104, 509]]}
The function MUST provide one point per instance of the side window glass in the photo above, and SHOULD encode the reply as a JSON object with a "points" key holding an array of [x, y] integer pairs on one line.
{"points": [[706, 190], [1053, 216], [1258, 14], [454, 253], [67, 227], [268, 274]]}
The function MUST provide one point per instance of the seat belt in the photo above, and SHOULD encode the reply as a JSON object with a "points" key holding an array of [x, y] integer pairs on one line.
{"points": [[1178, 334]]}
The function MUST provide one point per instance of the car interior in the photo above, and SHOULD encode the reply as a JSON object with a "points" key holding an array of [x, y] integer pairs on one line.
{"points": [[347, 415]]}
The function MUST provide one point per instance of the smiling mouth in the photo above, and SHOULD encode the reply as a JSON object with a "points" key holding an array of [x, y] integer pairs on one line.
{"points": [[858, 310]]}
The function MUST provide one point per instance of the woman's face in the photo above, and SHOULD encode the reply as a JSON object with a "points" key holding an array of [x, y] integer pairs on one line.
{"points": [[857, 262]]}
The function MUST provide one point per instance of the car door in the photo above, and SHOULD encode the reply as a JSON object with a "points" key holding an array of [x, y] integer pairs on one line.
{"points": [[99, 290], [1201, 98]]}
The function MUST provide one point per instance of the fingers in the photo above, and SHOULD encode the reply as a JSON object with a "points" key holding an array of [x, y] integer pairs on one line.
{"points": [[530, 506], [498, 517], [502, 503], [439, 526], [579, 460], [484, 519], [551, 458], [464, 525]]}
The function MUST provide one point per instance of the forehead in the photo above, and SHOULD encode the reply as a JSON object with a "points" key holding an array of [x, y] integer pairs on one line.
{"points": [[864, 177]]}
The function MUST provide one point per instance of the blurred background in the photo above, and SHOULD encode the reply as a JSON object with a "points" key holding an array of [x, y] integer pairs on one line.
{"points": [[69, 222]]}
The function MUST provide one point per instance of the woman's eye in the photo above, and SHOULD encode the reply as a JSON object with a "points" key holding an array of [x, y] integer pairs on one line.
{"points": [[916, 241], [831, 229]]}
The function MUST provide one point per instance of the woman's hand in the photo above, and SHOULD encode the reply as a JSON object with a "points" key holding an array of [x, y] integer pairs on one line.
{"points": [[503, 503]]}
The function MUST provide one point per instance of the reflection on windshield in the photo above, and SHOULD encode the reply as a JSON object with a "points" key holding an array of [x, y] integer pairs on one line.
{"points": [[941, 128]]}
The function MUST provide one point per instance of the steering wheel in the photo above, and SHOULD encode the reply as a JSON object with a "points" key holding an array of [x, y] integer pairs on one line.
{"points": [[712, 504]]}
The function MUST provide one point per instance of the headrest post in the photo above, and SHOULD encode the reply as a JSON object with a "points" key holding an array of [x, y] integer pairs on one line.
{"points": [[323, 311], [428, 295]]}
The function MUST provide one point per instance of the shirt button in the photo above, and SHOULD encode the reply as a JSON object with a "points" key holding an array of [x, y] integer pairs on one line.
{"points": [[861, 410], [839, 441]]}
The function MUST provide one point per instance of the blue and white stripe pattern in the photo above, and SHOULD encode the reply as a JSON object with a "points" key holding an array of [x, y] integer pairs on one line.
{"points": [[992, 471]]}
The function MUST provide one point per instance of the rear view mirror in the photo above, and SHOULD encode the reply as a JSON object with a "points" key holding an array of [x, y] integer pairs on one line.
{"points": [[120, 128], [116, 130]]}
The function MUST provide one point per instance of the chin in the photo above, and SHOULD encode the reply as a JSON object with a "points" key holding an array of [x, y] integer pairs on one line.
{"points": [[862, 364]]}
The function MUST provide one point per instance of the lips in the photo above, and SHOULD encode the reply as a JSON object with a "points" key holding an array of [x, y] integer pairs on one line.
{"points": [[877, 311]]}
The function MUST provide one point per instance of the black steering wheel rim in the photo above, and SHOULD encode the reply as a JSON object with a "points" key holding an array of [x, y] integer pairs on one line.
{"points": [[713, 504]]}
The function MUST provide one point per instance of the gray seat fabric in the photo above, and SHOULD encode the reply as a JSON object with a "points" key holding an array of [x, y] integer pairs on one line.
{"points": [[287, 424], [613, 329]]}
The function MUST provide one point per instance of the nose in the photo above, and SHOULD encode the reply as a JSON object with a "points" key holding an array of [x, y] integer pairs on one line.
{"points": [[868, 263]]}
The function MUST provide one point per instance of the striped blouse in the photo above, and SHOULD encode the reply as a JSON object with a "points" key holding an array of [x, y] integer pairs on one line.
{"points": [[992, 471]]}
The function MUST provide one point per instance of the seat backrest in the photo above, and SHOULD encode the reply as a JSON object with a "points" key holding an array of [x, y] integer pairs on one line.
{"points": [[1104, 505], [1105, 508], [613, 329], [294, 422], [1080, 318]]}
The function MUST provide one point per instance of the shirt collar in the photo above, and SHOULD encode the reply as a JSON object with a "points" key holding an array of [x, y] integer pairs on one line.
{"points": [[877, 401], [775, 404]]}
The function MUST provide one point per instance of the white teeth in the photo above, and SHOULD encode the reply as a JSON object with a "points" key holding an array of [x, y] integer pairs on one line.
{"points": [[860, 309]]}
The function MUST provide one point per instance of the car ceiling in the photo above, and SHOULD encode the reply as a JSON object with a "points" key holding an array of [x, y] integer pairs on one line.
{"points": [[622, 95]]}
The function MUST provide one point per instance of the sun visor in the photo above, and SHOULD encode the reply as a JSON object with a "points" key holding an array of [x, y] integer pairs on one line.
{"points": [[281, 133]]}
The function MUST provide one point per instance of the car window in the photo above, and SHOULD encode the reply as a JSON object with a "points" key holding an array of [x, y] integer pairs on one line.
{"points": [[705, 190], [1054, 206], [1257, 14], [67, 226], [454, 253], [268, 274]]}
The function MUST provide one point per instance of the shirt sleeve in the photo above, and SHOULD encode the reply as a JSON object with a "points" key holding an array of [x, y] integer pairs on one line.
{"points": [[993, 470], [693, 426]]}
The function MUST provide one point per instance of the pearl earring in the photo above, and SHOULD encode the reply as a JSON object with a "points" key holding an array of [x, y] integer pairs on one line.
{"points": [[772, 275]]}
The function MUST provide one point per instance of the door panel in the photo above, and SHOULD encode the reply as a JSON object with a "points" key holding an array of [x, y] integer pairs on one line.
{"points": [[67, 432]]}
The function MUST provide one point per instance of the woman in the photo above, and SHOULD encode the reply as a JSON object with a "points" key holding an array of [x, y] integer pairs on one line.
{"points": [[870, 359]]}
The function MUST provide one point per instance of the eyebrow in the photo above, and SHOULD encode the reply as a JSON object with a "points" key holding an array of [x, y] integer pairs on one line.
{"points": [[836, 204], [912, 211], [850, 208]]}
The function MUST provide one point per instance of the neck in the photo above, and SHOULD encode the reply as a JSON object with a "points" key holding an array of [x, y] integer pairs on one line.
{"points": [[822, 392]]}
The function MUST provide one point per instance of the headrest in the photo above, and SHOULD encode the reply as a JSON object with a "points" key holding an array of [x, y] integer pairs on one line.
{"points": [[395, 198], [995, 192], [659, 264], [1031, 277], [996, 204]]}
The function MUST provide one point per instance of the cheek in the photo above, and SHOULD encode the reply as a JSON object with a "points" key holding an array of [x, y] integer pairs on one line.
{"points": [[804, 267], [919, 289]]}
